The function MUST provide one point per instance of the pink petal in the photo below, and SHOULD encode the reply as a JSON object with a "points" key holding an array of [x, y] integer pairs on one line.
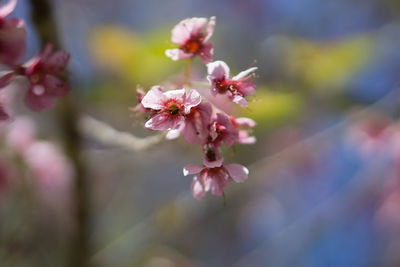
{"points": [[197, 188], [174, 94], [192, 169], [240, 100], [205, 110], [55, 86], [154, 98], [220, 181], [12, 41], [206, 53], [237, 172], [247, 88], [245, 122], [6, 9], [244, 138], [177, 54], [187, 28], [38, 102], [192, 99], [213, 164], [244, 74], [217, 70], [173, 134], [159, 122], [57, 62], [191, 134], [177, 122], [210, 29]]}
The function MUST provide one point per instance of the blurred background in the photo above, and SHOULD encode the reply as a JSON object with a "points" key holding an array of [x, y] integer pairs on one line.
{"points": [[324, 183]]}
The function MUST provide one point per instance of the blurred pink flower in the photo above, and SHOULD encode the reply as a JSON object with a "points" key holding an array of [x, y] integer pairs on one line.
{"points": [[20, 134], [171, 107], [371, 135], [48, 164], [236, 88], [214, 179], [192, 35], [44, 73], [12, 36], [243, 125]]}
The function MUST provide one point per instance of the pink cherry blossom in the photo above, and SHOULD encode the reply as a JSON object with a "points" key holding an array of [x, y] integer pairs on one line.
{"points": [[222, 130], [171, 107], [237, 88], [49, 166], [192, 35], [12, 36], [214, 179], [243, 126], [44, 74]]}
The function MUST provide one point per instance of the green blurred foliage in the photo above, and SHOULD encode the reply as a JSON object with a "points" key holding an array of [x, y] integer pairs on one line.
{"points": [[329, 65], [273, 106]]}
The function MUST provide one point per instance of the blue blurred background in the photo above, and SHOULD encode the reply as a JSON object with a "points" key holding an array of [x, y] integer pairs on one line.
{"points": [[324, 184]]}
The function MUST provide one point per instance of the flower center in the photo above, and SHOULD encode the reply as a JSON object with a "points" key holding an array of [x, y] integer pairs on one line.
{"points": [[35, 78], [191, 46], [173, 107]]}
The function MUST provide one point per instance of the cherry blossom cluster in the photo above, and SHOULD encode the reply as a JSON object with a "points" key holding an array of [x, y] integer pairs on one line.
{"points": [[185, 111], [43, 72]]}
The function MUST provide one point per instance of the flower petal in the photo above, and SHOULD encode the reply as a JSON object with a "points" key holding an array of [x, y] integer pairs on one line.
{"points": [[206, 53], [218, 70], [38, 102], [240, 100], [154, 98], [6, 9], [237, 172], [244, 73], [243, 121], [174, 94], [198, 188], [159, 122], [213, 164], [210, 29], [192, 169], [177, 54], [192, 99]]}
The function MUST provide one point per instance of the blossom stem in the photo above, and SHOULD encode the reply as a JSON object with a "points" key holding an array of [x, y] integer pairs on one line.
{"points": [[188, 69], [68, 114]]}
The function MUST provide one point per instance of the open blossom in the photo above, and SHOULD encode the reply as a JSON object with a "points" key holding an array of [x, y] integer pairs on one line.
{"points": [[192, 35], [237, 88], [244, 125], [222, 130], [44, 74], [215, 179], [12, 36], [171, 107]]}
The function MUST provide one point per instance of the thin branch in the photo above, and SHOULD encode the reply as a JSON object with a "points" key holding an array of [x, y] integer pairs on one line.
{"points": [[107, 135]]}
